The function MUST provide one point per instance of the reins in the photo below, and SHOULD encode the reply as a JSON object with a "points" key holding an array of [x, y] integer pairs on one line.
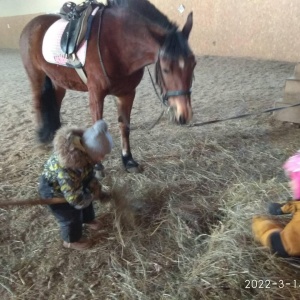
{"points": [[159, 98], [216, 120], [242, 115], [156, 92]]}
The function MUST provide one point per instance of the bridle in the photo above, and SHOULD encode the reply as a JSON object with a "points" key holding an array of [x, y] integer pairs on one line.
{"points": [[172, 93], [169, 94]]}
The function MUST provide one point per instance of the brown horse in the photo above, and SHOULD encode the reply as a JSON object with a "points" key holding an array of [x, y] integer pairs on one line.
{"points": [[128, 36]]}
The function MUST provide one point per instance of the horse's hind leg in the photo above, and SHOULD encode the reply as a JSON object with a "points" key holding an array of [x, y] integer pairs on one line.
{"points": [[51, 100], [47, 100], [46, 96], [124, 105]]}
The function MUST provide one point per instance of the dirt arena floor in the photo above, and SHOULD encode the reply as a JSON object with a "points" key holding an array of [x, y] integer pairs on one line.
{"points": [[179, 230]]}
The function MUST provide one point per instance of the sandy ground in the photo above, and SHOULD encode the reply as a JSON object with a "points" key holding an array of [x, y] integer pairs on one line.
{"points": [[223, 87]]}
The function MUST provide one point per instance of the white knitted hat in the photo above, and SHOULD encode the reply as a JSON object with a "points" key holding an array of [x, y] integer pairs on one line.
{"points": [[97, 140]]}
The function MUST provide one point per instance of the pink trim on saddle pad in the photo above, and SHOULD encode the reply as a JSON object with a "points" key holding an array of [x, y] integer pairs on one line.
{"points": [[51, 44]]}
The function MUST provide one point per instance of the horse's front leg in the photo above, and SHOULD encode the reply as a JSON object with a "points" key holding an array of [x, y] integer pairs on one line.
{"points": [[96, 100], [124, 104]]}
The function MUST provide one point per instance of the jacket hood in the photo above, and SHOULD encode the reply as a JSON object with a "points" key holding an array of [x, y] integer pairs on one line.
{"points": [[69, 149]]}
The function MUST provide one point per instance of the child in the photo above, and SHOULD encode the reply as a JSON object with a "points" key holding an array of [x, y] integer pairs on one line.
{"points": [[69, 173], [285, 241]]}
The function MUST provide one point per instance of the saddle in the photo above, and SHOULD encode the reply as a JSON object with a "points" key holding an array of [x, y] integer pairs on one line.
{"points": [[78, 29], [79, 24]]}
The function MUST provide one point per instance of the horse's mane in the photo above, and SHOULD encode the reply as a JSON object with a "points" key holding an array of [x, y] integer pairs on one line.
{"points": [[146, 10], [175, 44]]}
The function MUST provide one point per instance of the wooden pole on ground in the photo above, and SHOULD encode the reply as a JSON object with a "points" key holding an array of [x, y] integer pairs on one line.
{"points": [[14, 202]]}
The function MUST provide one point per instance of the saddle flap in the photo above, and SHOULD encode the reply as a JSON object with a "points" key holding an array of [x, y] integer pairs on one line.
{"points": [[51, 48]]}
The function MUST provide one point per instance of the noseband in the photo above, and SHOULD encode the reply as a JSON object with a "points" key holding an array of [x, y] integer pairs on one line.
{"points": [[160, 81], [169, 94]]}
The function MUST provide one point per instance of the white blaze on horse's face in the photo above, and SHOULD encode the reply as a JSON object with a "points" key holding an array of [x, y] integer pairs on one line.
{"points": [[181, 63], [177, 76]]}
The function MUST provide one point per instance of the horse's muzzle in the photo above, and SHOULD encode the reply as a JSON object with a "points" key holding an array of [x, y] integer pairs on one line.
{"points": [[180, 110], [182, 120]]}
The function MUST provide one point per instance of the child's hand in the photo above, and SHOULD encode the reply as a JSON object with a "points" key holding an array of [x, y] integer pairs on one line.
{"points": [[95, 188], [104, 197]]}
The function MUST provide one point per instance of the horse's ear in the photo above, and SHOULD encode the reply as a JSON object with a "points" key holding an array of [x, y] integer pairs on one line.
{"points": [[188, 26]]}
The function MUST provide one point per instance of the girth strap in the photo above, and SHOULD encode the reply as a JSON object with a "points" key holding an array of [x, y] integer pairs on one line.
{"points": [[82, 75]]}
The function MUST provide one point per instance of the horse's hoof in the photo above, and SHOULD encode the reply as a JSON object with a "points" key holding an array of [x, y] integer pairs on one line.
{"points": [[131, 166], [137, 169], [45, 136]]}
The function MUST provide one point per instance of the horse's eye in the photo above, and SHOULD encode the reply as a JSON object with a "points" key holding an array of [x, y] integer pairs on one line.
{"points": [[166, 71]]}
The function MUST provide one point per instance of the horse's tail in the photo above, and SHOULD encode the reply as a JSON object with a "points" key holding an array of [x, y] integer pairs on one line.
{"points": [[49, 112]]}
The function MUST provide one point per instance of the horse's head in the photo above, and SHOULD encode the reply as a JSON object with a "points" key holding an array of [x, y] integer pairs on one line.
{"points": [[174, 72]]}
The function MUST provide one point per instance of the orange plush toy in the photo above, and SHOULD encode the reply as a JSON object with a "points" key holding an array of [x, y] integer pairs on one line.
{"points": [[284, 241]]}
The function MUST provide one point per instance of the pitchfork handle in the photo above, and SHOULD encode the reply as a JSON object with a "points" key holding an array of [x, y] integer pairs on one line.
{"points": [[33, 202]]}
